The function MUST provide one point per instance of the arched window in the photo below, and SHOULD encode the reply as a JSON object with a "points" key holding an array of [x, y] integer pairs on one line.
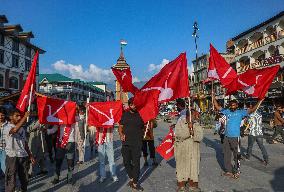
{"points": [[13, 83], [1, 80]]}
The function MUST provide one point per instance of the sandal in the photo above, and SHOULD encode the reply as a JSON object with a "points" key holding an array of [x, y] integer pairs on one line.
{"points": [[236, 176], [228, 174]]}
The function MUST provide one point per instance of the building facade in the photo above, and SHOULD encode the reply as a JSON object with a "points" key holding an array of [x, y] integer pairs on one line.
{"points": [[16, 55], [260, 47], [66, 88]]}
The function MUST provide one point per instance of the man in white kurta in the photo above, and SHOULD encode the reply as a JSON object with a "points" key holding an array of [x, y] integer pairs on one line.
{"points": [[187, 153]]}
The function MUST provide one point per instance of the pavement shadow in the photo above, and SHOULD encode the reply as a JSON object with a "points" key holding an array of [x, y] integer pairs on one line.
{"points": [[277, 183], [216, 145], [108, 185]]}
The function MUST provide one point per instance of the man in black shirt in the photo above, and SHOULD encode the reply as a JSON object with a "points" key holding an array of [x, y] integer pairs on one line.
{"points": [[131, 135]]}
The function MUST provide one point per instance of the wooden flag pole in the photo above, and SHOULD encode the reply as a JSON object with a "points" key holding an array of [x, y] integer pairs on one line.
{"points": [[212, 91], [189, 109], [42, 145], [147, 129], [30, 101], [86, 121]]}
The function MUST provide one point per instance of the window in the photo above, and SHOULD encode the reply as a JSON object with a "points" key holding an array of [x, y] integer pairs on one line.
{"points": [[1, 80], [27, 65], [2, 56], [16, 46], [13, 83], [1, 39], [15, 61], [28, 52]]}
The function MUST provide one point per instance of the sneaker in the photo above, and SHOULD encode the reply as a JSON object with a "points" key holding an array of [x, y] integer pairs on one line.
{"points": [[102, 179], [115, 179], [146, 164]]}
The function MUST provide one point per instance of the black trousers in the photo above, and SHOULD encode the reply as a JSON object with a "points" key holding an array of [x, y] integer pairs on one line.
{"points": [[69, 152], [151, 146], [51, 144], [232, 145], [20, 166], [131, 160]]}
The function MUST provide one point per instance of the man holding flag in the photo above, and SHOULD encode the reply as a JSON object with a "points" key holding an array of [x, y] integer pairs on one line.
{"points": [[234, 117]]}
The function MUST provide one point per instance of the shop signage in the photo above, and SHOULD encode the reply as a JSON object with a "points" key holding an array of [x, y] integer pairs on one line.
{"points": [[4, 92], [270, 61]]}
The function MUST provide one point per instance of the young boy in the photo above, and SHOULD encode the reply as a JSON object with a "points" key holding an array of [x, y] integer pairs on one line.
{"points": [[17, 152], [65, 147]]}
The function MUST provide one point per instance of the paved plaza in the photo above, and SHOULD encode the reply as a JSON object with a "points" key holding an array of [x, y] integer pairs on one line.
{"points": [[254, 176]]}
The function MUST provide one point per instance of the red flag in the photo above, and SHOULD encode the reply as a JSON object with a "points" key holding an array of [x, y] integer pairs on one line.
{"points": [[29, 86], [219, 68], [254, 82], [166, 148], [147, 104], [104, 114], [124, 77], [170, 83], [56, 111], [62, 141]]}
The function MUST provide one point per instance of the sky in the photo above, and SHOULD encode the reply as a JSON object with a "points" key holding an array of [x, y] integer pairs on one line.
{"points": [[82, 38]]}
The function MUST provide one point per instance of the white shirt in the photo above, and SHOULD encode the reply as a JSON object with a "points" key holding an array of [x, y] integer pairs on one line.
{"points": [[15, 144]]}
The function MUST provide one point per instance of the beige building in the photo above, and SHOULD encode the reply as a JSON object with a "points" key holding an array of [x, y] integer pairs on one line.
{"points": [[259, 47]]}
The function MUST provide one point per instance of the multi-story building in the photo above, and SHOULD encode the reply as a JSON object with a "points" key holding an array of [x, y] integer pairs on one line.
{"points": [[70, 89], [109, 95], [16, 55], [260, 47], [200, 86]]}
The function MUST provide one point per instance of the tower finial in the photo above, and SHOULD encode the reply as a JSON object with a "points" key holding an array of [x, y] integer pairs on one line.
{"points": [[122, 44]]}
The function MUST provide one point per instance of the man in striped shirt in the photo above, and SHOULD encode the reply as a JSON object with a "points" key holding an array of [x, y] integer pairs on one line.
{"points": [[256, 134]]}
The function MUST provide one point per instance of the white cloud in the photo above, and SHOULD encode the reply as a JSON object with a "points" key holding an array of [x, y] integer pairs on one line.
{"points": [[135, 80], [153, 67], [92, 73]]}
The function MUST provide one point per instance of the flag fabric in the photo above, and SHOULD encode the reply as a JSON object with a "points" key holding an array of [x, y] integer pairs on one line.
{"points": [[124, 77], [219, 68], [166, 148], [170, 83], [146, 102], [104, 114], [56, 111], [61, 142], [23, 101], [254, 82]]}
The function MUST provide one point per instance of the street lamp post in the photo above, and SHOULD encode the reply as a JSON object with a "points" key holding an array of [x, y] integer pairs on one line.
{"points": [[195, 35]]}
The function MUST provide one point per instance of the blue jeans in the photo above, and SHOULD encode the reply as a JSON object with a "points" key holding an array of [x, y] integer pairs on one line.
{"points": [[2, 160], [259, 141], [103, 150]]}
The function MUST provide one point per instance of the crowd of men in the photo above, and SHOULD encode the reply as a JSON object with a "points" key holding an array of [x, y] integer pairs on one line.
{"points": [[23, 145]]}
